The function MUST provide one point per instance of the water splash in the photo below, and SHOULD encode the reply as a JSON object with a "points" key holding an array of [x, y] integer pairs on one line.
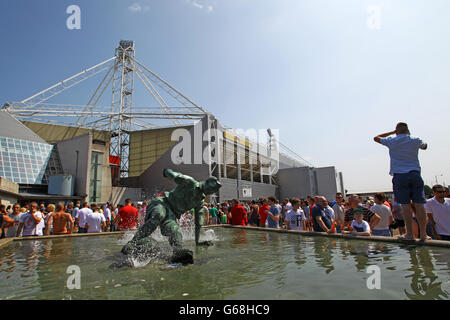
{"points": [[188, 233]]}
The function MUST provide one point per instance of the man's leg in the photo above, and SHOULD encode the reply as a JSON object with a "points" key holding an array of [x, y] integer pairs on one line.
{"points": [[418, 197], [407, 216], [422, 218]]}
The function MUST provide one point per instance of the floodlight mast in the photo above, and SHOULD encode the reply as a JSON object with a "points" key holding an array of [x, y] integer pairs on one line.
{"points": [[122, 104]]}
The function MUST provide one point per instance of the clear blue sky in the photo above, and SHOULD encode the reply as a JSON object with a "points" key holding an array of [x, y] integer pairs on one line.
{"points": [[311, 68]]}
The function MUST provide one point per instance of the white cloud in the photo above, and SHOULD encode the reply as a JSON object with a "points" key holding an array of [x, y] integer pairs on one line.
{"points": [[196, 4], [136, 7], [199, 5]]}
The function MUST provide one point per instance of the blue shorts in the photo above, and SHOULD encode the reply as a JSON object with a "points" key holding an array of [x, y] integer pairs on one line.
{"points": [[408, 186], [382, 233]]}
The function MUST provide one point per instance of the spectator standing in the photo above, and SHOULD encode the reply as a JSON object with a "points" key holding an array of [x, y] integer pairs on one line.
{"points": [[438, 210], [127, 217], [263, 213], [339, 211], [95, 221], [107, 215], [382, 227], [81, 218], [60, 220], [295, 217], [320, 219], [309, 222], [70, 208], [254, 216], [273, 214], [224, 218], [30, 221], [5, 221], [237, 213], [305, 208], [48, 225], [398, 218], [214, 213], [369, 216], [328, 210], [114, 213], [42, 208], [407, 181], [75, 210], [15, 215]]}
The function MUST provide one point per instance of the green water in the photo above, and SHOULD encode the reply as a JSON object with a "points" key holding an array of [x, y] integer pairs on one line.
{"points": [[243, 264]]}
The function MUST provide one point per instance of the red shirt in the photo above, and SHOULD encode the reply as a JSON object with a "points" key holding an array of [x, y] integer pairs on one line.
{"points": [[386, 203], [263, 215], [238, 215], [128, 217]]}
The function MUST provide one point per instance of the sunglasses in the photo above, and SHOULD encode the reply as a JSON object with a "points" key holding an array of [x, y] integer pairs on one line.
{"points": [[441, 191]]}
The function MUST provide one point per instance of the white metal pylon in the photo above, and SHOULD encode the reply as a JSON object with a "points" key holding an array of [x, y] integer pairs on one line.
{"points": [[120, 117]]}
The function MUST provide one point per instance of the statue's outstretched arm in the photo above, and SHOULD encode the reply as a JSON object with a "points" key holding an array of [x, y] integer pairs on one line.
{"points": [[199, 216], [178, 177]]}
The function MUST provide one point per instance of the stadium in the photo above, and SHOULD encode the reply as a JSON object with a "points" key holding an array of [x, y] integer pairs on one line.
{"points": [[52, 150]]}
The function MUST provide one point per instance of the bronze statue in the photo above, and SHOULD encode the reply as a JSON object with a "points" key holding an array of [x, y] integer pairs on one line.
{"points": [[164, 210]]}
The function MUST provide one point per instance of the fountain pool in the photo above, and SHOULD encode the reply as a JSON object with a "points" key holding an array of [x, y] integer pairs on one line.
{"points": [[243, 264]]}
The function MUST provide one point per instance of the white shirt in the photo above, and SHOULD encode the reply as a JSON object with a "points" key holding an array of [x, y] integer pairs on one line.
{"points": [[82, 216], [11, 233], [75, 212], [107, 214], [287, 207], [339, 212], [30, 228], [364, 226], [295, 219], [384, 212], [94, 220], [441, 215]]}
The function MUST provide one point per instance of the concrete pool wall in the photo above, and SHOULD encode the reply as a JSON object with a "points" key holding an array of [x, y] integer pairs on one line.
{"points": [[433, 243]]}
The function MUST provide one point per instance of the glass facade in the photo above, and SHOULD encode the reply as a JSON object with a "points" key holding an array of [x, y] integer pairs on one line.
{"points": [[23, 161], [95, 186]]}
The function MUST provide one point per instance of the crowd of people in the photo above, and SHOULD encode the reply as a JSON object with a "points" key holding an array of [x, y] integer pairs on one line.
{"points": [[373, 216], [32, 219]]}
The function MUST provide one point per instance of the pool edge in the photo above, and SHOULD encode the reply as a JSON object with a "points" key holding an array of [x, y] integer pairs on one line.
{"points": [[433, 243]]}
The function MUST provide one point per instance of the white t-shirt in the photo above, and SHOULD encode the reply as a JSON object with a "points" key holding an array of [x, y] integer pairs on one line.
{"points": [[11, 233], [94, 220], [287, 207], [75, 212], [107, 214], [384, 212], [441, 215], [82, 216], [295, 219], [339, 212], [30, 228], [363, 227]]}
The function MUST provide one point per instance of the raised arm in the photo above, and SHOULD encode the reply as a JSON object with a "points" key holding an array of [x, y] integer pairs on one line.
{"points": [[178, 178], [384, 135]]}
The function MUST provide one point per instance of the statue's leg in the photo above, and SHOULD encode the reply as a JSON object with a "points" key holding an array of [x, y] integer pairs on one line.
{"points": [[141, 237], [171, 229]]}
